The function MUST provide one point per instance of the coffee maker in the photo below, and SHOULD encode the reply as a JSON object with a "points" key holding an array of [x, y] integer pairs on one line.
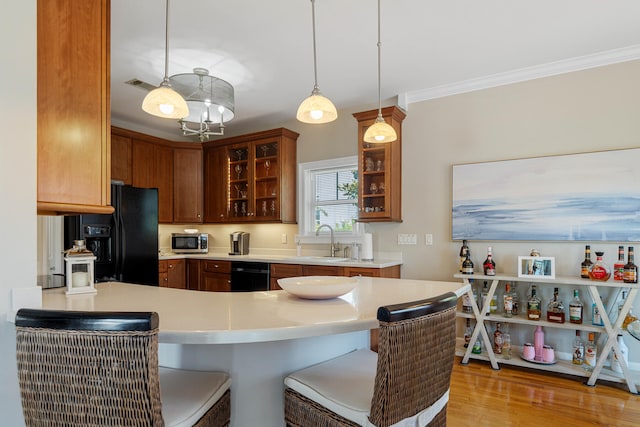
{"points": [[239, 241]]}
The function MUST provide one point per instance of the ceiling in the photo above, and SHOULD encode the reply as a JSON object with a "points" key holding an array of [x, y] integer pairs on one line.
{"points": [[429, 48]]}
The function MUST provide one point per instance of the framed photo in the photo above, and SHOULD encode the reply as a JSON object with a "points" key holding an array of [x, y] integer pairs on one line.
{"points": [[536, 267]]}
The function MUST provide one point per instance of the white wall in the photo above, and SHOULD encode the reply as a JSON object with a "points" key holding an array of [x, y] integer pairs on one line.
{"points": [[17, 182]]}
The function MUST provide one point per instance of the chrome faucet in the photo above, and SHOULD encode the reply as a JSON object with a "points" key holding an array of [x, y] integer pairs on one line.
{"points": [[332, 248]]}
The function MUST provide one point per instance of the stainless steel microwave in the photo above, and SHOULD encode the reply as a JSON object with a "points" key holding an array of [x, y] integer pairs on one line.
{"points": [[189, 243]]}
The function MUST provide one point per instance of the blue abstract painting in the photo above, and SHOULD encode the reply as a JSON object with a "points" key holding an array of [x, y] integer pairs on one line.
{"points": [[577, 197]]}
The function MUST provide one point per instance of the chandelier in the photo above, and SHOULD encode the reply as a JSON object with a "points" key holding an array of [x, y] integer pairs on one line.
{"points": [[210, 100]]}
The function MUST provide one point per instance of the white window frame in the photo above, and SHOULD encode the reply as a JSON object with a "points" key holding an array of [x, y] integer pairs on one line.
{"points": [[306, 192]]}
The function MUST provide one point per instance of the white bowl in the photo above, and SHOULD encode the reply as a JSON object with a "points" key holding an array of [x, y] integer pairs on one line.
{"points": [[318, 287]]}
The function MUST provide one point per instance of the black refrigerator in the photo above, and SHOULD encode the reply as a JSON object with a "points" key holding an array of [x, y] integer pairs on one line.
{"points": [[125, 243]]}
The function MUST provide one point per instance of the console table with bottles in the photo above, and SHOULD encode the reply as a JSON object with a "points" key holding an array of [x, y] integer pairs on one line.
{"points": [[608, 332]]}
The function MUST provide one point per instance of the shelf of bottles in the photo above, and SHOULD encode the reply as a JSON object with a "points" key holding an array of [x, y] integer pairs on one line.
{"points": [[477, 344], [373, 179], [238, 190], [266, 179]]}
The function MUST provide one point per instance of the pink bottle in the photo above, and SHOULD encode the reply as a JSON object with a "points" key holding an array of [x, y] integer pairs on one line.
{"points": [[538, 342]]}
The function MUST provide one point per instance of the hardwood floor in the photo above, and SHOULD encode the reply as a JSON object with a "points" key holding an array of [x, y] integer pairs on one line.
{"points": [[515, 396]]}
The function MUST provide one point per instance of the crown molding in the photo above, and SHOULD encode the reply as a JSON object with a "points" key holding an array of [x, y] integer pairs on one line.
{"points": [[595, 60]]}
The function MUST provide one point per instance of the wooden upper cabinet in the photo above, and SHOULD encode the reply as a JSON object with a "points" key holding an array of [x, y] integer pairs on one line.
{"points": [[74, 171], [121, 158], [251, 178], [380, 169], [152, 167], [187, 185]]}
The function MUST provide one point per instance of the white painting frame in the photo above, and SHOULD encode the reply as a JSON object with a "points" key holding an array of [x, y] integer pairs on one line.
{"points": [[536, 267], [575, 197]]}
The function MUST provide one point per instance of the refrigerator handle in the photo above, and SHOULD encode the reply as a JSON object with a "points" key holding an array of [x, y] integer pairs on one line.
{"points": [[123, 247]]}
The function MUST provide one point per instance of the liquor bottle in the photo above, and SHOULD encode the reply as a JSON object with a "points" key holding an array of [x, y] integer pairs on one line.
{"points": [[599, 270], [489, 264], [467, 264], [624, 355], [468, 330], [538, 342], [493, 305], [466, 304], [596, 316], [618, 266], [497, 340], [629, 317], [590, 353], [506, 345], [578, 350], [630, 269], [477, 347], [464, 250], [508, 301], [584, 267], [515, 305], [555, 309], [576, 308], [485, 303], [534, 305]]}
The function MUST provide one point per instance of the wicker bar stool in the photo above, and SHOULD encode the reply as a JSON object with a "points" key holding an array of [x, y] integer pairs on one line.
{"points": [[101, 369], [405, 384]]}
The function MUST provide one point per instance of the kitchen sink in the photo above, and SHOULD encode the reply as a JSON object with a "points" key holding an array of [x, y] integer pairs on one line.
{"points": [[320, 258]]}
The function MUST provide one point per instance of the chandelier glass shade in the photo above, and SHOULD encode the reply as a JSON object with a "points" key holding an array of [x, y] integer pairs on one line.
{"points": [[211, 103], [163, 101], [380, 131], [316, 109]]}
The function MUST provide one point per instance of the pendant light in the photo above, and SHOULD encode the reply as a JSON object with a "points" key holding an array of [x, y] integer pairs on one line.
{"points": [[316, 109], [164, 101], [380, 131]]}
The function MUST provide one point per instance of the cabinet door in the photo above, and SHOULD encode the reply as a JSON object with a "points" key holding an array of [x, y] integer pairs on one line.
{"points": [[239, 161], [152, 167], [194, 272], [176, 273], [121, 158], [163, 278], [380, 170], [322, 270], [73, 108], [187, 185], [215, 185], [216, 282], [278, 271], [389, 272]]}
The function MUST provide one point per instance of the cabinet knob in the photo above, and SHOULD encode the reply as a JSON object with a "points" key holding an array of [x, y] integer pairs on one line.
{"points": [[216, 266], [170, 265], [198, 215]]}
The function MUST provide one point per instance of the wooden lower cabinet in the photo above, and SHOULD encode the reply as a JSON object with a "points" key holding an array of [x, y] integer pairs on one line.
{"points": [[171, 273], [280, 271], [194, 274], [215, 276]]}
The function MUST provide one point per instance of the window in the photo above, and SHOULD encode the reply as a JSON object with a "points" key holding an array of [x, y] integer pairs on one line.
{"points": [[328, 194]]}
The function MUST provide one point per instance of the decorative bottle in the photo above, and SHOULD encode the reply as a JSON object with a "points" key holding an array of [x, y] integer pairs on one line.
{"points": [[590, 353], [538, 342], [508, 301], [467, 264], [555, 309], [464, 250], [624, 355], [489, 264], [468, 331], [578, 350], [534, 305], [576, 308], [630, 269], [599, 271], [618, 266], [497, 340], [584, 267]]}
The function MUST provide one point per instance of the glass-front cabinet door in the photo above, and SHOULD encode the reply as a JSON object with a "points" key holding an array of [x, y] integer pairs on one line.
{"points": [[240, 172], [266, 181]]}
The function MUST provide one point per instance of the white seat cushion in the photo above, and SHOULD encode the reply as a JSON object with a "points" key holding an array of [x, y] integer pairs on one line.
{"points": [[343, 385], [187, 395]]}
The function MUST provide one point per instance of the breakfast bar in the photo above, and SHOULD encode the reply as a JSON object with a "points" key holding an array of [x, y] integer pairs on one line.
{"points": [[258, 337]]}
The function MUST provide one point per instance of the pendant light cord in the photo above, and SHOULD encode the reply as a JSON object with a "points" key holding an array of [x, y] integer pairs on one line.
{"points": [[379, 73], [313, 25], [166, 43]]}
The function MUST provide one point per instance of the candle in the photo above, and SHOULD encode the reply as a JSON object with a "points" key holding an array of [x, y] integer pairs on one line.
{"points": [[79, 279]]}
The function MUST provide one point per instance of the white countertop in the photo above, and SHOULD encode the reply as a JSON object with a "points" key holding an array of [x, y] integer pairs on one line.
{"points": [[195, 317], [284, 259]]}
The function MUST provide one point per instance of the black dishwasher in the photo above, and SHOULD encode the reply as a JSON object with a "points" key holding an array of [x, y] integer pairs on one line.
{"points": [[249, 276]]}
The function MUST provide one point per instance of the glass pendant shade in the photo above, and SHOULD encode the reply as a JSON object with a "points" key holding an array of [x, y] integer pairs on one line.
{"points": [[380, 132], [316, 109], [166, 103]]}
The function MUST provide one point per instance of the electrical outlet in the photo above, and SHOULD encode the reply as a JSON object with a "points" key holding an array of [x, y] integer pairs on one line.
{"points": [[428, 238], [283, 238], [407, 239]]}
